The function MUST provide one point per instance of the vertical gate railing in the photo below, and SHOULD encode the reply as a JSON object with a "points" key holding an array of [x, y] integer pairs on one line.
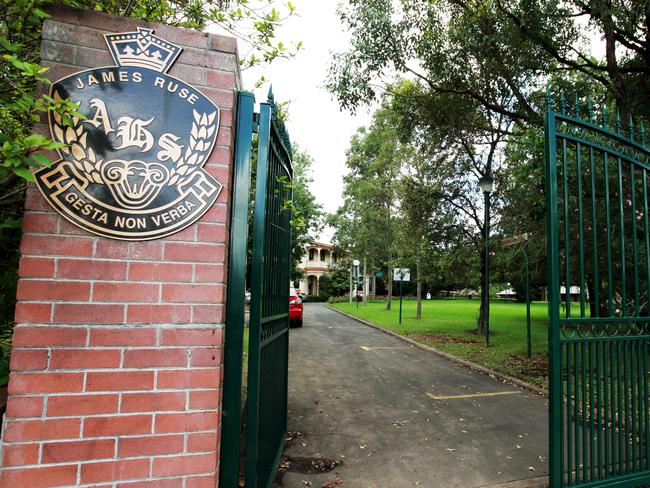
{"points": [[268, 352], [599, 276], [269, 314], [235, 315]]}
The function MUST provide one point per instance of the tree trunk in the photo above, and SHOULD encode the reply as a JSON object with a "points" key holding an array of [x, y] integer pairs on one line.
{"points": [[418, 315], [480, 325], [365, 281], [374, 286], [615, 75], [390, 288]]}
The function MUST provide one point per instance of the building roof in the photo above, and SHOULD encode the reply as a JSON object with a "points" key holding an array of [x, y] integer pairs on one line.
{"points": [[319, 244]]}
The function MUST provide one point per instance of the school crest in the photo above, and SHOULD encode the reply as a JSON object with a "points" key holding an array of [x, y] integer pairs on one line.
{"points": [[132, 169]]}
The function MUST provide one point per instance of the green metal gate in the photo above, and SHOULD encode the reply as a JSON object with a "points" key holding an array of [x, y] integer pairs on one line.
{"points": [[268, 351], [599, 273]]}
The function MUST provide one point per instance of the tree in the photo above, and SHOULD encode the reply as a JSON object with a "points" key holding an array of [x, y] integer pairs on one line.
{"points": [[455, 146], [365, 223], [336, 282], [494, 53], [306, 213]]}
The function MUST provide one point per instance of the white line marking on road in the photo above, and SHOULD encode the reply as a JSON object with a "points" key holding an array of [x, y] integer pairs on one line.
{"points": [[366, 348]]}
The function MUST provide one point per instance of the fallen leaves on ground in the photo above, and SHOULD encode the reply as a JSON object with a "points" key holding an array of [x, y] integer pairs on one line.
{"points": [[401, 423], [333, 483], [534, 366], [441, 339]]}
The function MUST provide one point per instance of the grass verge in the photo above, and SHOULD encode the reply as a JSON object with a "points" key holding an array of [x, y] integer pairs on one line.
{"points": [[447, 325]]}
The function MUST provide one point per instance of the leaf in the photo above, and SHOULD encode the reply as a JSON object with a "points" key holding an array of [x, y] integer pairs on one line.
{"points": [[34, 140], [41, 159], [40, 13], [11, 223], [24, 173]]}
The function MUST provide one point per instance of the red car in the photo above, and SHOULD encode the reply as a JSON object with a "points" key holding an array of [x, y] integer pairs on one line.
{"points": [[295, 308]]}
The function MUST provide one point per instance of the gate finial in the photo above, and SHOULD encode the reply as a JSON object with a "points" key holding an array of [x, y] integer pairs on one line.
{"points": [[642, 133], [630, 126], [576, 106]]}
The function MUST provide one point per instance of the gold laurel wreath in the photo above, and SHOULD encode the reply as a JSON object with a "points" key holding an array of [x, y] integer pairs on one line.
{"points": [[76, 145], [197, 150], [88, 164]]}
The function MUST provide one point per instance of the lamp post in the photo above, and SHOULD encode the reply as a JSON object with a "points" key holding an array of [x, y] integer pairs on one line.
{"points": [[486, 184], [356, 263], [529, 346]]}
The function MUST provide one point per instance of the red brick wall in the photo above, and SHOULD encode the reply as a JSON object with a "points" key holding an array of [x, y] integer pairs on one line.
{"points": [[117, 361]]}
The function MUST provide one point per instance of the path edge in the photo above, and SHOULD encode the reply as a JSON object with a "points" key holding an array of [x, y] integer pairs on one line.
{"points": [[463, 362]]}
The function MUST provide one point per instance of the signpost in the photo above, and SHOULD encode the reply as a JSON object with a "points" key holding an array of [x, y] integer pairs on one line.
{"points": [[401, 275]]}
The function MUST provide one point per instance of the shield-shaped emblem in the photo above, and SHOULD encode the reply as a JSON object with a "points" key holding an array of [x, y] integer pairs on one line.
{"points": [[132, 168]]}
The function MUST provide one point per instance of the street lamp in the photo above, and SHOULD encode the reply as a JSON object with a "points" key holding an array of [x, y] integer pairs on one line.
{"points": [[356, 263], [486, 183]]}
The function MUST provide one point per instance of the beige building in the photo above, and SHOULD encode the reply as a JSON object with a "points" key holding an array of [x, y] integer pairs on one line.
{"points": [[316, 262]]}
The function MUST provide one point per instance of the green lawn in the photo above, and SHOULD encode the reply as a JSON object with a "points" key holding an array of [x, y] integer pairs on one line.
{"points": [[445, 325]]}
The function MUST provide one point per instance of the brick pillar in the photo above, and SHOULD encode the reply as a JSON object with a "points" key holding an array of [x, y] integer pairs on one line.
{"points": [[117, 359]]}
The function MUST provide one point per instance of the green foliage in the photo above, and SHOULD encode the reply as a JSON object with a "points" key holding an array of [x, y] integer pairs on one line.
{"points": [[323, 297], [10, 233], [365, 224], [494, 53], [336, 282], [306, 213], [411, 198]]}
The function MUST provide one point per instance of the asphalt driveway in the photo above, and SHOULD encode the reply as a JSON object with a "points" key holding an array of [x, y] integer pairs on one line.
{"points": [[396, 416]]}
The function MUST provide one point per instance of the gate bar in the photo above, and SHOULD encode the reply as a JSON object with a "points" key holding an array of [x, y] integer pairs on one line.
{"points": [[234, 339], [252, 424], [555, 399]]}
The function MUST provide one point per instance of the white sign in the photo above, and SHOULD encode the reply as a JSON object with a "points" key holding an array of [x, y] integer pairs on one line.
{"points": [[401, 274]]}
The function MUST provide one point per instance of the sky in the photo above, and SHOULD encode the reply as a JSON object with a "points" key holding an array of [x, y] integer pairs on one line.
{"points": [[315, 122]]}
